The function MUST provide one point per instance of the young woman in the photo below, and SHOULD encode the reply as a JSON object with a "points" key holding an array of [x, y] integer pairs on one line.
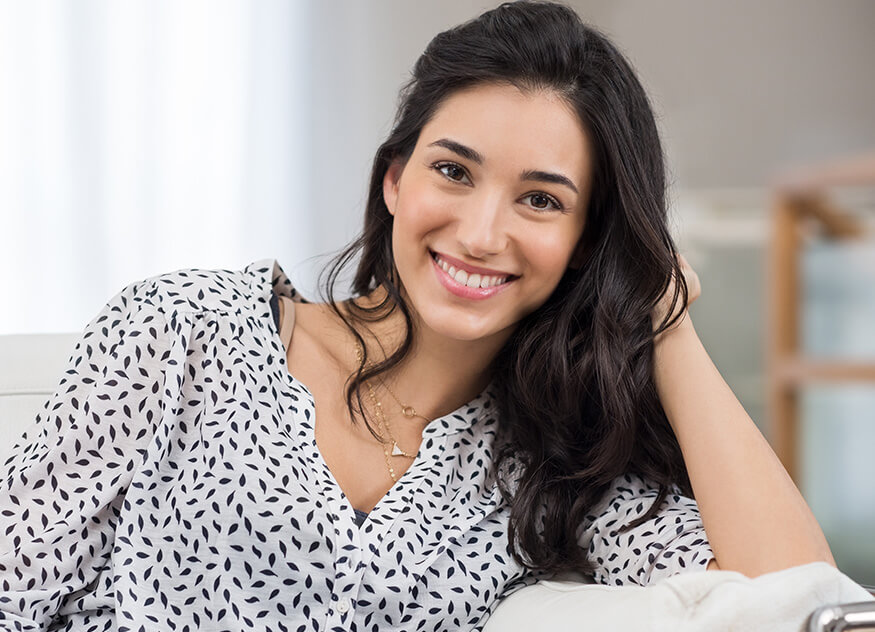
{"points": [[515, 388]]}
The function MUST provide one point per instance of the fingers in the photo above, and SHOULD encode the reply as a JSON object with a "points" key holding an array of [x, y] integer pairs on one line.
{"points": [[694, 286]]}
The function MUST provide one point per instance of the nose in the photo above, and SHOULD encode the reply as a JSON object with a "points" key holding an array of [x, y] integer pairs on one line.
{"points": [[481, 228]]}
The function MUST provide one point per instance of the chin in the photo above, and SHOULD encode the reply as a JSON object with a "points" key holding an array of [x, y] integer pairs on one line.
{"points": [[449, 323]]}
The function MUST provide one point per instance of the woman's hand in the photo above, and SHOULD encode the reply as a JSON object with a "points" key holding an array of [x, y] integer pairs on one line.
{"points": [[694, 290]]}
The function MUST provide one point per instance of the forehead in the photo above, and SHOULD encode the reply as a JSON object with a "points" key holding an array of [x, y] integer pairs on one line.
{"points": [[514, 128]]}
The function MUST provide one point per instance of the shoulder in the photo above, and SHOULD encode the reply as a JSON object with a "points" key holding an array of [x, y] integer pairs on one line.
{"points": [[195, 290], [155, 310]]}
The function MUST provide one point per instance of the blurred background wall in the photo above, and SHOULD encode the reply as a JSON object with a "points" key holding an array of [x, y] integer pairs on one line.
{"points": [[141, 137]]}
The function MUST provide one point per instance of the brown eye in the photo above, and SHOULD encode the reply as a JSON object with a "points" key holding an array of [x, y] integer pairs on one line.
{"points": [[543, 202], [451, 171], [539, 200]]}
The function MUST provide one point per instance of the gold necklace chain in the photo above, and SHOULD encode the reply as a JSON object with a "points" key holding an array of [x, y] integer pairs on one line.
{"points": [[408, 411], [396, 451]]}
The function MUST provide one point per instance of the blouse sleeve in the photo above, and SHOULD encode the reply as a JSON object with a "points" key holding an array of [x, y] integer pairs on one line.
{"points": [[63, 489], [671, 542]]}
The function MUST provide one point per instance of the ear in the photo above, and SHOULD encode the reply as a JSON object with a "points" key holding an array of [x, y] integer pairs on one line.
{"points": [[391, 182]]}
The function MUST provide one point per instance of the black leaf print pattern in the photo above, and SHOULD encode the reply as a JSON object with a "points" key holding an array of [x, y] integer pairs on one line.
{"points": [[671, 542], [173, 482]]}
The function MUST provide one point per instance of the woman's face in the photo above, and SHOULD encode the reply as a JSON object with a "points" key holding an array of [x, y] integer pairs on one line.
{"points": [[488, 209]]}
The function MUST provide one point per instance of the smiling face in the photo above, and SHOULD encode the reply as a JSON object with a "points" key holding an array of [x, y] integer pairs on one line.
{"points": [[488, 209]]}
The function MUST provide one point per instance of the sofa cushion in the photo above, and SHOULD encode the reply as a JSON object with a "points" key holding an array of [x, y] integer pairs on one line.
{"points": [[689, 602], [30, 368]]}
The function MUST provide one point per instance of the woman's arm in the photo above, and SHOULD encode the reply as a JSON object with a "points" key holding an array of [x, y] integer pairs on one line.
{"points": [[62, 491], [755, 518]]}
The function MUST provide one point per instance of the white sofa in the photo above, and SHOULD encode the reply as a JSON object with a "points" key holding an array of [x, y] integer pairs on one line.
{"points": [[31, 366]]}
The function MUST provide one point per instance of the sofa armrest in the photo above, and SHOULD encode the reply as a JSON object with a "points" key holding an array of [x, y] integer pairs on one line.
{"points": [[30, 369]]}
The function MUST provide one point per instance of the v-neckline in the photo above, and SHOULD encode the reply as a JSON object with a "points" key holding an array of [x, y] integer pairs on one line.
{"points": [[309, 421], [398, 500]]}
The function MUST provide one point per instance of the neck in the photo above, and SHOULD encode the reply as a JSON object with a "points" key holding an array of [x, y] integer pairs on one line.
{"points": [[438, 375]]}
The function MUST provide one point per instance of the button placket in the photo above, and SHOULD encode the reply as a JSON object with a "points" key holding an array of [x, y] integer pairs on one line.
{"points": [[399, 498]]}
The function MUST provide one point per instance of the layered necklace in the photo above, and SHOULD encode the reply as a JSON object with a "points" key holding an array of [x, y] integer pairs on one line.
{"points": [[383, 423]]}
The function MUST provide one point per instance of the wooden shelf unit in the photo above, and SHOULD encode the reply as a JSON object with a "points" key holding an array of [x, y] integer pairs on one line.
{"points": [[796, 218]]}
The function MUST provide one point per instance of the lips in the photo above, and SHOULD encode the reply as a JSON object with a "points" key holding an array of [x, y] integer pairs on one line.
{"points": [[470, 282], [470, 276]]}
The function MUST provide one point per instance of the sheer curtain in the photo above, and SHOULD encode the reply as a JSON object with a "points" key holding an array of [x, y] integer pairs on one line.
{"points": [[141, 137]]}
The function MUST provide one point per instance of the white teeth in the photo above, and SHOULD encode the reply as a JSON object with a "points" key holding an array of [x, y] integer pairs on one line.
{"points": [[473, 280]]}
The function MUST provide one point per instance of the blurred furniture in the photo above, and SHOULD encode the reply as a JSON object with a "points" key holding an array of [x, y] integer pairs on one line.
{"points": [[802, 210]]}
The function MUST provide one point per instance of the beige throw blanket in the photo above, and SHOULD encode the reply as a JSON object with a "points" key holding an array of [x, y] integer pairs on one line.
{"points": [[712, 601]]}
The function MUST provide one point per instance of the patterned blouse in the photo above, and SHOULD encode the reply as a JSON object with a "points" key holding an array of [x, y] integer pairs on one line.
{"points": [[173, 482]]}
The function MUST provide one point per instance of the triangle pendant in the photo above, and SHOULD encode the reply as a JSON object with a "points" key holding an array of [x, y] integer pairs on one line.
{"points": [[396, 451]]}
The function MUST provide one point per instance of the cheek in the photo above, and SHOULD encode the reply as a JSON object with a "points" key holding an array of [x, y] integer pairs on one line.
{"points": [[549, 252], [422, 212]]}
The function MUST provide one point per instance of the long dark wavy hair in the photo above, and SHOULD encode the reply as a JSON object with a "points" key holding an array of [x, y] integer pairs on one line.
{"points": [[577, 401]]}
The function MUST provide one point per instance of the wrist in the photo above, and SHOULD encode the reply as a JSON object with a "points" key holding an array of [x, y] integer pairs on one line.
{"points": [[683, 327], [675, 352]]}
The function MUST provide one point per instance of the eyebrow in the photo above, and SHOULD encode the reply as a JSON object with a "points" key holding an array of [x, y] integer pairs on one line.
{"points": [[529, 174], [458, 148], [546, 176]]}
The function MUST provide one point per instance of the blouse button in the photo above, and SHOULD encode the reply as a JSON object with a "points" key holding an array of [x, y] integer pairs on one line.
{"points": [[343, 606]]}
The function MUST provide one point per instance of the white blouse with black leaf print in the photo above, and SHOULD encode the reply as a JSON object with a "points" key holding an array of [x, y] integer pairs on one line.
{"points": [[173, 482]]}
